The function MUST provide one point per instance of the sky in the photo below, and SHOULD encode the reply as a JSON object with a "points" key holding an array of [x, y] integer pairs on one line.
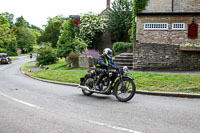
{"points": [[36, 12]]}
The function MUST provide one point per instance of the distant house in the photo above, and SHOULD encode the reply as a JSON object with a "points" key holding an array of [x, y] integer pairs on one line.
{"points": [[76, 19], [162, 28]]}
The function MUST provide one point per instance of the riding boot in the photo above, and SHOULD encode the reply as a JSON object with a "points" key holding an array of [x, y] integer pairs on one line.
{"points": [[98, 82]]}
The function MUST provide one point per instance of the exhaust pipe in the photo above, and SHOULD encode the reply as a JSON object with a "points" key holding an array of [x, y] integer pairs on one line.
{"points": [[84, 88], [87, 89]]}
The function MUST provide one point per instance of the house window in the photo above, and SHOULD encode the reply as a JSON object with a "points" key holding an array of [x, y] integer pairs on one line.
{"points": [[178, 26], [156, 26]]}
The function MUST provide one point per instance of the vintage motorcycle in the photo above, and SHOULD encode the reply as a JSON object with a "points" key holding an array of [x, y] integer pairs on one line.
{"points": [[117, 82]]}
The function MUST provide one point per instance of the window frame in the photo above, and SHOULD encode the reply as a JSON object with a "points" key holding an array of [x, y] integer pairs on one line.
{"points": [[156, 26], [183, 28]]}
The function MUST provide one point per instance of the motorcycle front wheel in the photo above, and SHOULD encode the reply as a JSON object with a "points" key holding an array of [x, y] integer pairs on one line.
{"points": [[90, 84], [124, 91]]}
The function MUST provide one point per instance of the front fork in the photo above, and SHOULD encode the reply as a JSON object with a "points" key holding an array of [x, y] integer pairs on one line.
{"points": [[123, 89]]}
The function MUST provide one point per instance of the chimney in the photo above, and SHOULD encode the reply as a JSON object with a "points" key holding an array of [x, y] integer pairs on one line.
{"points": [[108, 3]]}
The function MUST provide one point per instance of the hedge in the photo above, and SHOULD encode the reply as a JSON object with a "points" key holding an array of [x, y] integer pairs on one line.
{"points": [[121, 47]]}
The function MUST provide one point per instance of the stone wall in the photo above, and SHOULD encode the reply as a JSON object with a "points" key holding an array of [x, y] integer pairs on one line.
{"points": [[86, 61], [166, 36], [178, 6], [164, 57]]}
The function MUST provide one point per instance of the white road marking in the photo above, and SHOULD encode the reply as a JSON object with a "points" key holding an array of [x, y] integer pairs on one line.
{"points": [[20, 101], [113, 127]]}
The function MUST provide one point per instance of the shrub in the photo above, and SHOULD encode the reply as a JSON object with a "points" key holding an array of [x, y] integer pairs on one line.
{"points": [[95, 54], [120, 47], [80, 45], [73, 59], [46, 55], [91, 25]]}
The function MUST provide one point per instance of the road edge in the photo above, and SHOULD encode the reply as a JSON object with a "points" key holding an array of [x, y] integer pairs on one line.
{"points": [[154, 93]]}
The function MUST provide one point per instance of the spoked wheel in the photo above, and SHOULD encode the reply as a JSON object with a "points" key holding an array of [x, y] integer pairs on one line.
{"points": [[126, 90], [90, 84]]}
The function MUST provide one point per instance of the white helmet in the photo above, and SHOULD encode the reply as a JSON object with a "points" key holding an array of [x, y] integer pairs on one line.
{"points": [[107, 52]]}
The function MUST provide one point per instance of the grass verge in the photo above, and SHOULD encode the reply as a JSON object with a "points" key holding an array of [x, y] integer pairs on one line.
{"points": [[187, 83], [59, 75], [164, 82], [26, 66], [14, 59], [61, 65], [167, 82]]}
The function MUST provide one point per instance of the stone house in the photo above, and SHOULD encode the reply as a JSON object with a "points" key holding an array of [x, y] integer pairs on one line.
{"points": [[162, 28]]}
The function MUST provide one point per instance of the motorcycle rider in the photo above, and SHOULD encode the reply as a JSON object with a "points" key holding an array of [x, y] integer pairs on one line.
{"points": [[31, 55], [104, 61]]}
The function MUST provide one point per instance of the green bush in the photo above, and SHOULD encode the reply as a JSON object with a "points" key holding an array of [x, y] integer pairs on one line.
{"points": [[10, 53], [120, 47], [73, 59], [46, 55], [65, 43], [80, 45]]}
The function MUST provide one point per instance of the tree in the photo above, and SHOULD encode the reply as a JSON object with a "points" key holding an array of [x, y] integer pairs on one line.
{"points": [[7, 38], [9, 17], [25, 39], [65, 43], [4, 30], [36, 31], [25, 36], [120, 19], [21, 22], [52, 31], [91, 25]]}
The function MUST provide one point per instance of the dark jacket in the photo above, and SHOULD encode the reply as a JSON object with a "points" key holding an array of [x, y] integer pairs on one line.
{"points": [[103, 62]]}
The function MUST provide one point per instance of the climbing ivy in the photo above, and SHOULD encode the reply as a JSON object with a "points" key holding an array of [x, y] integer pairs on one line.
{"points": [[138, 6]]}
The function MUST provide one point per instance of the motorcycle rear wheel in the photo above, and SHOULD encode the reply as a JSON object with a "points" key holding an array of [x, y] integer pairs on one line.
{"points": [[89, 83], [125, 92]]}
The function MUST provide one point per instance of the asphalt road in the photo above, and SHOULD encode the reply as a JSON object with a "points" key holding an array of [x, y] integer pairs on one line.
{"points": [[32, 106]]}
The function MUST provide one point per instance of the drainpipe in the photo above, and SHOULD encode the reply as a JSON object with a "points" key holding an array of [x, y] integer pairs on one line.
{"points": [[172, 5]]}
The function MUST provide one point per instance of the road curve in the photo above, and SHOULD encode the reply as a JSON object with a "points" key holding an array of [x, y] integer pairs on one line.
{"points": [[32, 106]]}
